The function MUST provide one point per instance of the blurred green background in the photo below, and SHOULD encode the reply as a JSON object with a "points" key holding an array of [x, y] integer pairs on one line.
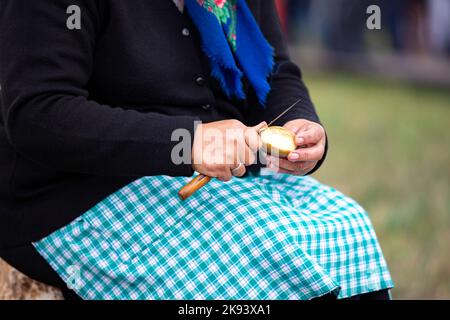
{"points": [[389, 150], [384, 98]]}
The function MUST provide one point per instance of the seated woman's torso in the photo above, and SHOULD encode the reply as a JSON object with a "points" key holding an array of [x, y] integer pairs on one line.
{"points": [[148, 58]]}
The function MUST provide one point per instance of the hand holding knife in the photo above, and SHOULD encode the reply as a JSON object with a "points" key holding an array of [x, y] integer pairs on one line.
{"points": [[201, 180]]}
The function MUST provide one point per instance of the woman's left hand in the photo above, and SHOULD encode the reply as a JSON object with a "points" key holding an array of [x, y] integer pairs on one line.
{"points": [[311, 139]]}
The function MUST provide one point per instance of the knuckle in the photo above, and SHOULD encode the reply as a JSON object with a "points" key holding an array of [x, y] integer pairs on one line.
{"points": [[322, 131], [308, 137], [318, 136], [236, 123]]}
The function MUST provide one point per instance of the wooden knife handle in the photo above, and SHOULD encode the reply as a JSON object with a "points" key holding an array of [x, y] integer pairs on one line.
{"points": [[196, 184]]}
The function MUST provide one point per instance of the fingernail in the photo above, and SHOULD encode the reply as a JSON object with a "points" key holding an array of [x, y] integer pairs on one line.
{"points": [[294, 156], [300, 140]]}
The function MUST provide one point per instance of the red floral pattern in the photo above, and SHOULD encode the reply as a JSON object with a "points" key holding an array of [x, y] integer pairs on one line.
{"points": [[226, 12], [220, 3]]}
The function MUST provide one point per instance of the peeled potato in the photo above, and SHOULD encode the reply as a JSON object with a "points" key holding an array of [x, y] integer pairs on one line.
{"points": [[278, 141]]}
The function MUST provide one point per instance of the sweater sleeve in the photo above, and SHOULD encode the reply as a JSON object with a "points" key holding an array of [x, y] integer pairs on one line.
{"points": [[48, 116], [286, 82]]}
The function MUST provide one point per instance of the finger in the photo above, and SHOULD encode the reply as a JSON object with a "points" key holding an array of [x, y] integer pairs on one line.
{"points": [[260, 126], [225, 175], [303, 173], [223, 172], [252, 137], [239, 171], [312, 135], [308, 168], [292, 166], [314, 153], [279, 170], [275, 168], [295, 126], [241, 154], [246, 156]]}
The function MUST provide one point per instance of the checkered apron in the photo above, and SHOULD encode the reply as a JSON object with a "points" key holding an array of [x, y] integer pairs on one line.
{"points": [[271, 236]]}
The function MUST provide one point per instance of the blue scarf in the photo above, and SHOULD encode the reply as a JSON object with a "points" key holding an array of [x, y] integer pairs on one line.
{"points": [[230, 37]]}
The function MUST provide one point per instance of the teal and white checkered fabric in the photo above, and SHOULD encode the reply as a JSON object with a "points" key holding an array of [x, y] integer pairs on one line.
{"points": [[262, 237]]}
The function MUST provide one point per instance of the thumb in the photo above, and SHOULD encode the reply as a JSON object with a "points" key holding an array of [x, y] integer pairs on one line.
{"points": [[252, 136], [260, 126]]}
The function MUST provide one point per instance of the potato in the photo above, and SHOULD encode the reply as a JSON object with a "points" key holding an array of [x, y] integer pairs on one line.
{"points": [[278, 141]]}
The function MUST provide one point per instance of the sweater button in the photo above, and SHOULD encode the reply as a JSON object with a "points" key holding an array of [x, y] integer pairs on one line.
{"points": [[206, 107], [200, 81], [186, 32]]}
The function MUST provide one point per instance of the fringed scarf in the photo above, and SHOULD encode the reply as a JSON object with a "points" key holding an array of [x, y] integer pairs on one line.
{"points": [[235, 45]]}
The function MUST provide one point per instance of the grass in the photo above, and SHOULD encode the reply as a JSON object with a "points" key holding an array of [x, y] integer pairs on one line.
{"points": [[389, 149]]}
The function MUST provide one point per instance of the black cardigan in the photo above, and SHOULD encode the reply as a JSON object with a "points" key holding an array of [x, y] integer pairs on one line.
{"points": [[85, 112]]}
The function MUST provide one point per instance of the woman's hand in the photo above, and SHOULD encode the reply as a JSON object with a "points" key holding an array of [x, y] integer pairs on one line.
{"points": [[310, 137], [223, 149]]}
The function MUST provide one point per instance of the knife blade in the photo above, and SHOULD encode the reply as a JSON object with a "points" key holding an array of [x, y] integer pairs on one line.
{"points": [[284, 112]]}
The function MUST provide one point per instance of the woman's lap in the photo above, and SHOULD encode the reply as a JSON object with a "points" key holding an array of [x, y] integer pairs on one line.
{"points": [[27, 260], [265, 237]]}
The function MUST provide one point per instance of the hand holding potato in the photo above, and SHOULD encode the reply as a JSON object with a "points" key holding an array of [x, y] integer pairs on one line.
{"points": [[310, 139]]}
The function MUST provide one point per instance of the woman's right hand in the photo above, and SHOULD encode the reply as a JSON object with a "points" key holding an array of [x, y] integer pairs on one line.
{"points": [[223, 149]]}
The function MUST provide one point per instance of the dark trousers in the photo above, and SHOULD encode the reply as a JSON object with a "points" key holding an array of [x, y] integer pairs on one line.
{"points": [[28, 261]]}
